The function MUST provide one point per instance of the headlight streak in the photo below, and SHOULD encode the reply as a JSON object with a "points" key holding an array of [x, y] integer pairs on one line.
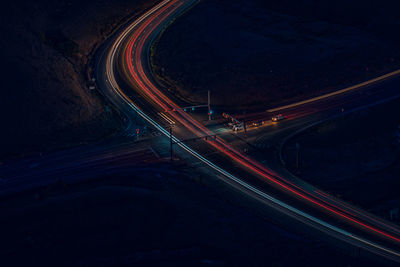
{"points": [[158, 97], [232, 152]]}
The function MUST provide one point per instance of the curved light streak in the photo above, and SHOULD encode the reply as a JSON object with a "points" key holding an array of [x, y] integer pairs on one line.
{"points": [[222, 146]]}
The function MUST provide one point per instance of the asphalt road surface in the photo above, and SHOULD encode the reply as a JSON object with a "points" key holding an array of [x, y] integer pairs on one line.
{"points": [[128, 81], [124, 76]]}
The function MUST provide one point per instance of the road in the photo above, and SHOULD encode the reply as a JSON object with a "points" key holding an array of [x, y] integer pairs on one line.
{"points": [[129, 83], [124, 75]]}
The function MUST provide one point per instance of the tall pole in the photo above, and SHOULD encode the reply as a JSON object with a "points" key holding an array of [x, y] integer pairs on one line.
{"points": [[170, 143], [244, 125], [209, 106]]}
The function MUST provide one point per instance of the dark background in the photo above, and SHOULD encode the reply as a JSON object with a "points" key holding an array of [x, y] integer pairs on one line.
{"points": [[165, 217], [260, 54]]}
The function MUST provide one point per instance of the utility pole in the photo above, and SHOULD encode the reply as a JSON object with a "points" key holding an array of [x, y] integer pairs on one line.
{"points": [[244, 124], [209, 106], [171, 143]]}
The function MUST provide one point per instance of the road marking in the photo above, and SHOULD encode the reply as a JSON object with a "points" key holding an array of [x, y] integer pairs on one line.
{"points": [[238, 181], [165, 117]]}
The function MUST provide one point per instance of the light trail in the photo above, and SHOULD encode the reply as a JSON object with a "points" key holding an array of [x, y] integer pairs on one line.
{"points": [[338, 92], [143, 83], [199, 130]]}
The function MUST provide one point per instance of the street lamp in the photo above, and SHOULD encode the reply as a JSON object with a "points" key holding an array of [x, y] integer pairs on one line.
{"points": [[171, 125]]}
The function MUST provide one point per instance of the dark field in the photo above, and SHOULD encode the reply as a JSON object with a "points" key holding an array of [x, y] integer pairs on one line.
{"points": [[356, 157], [157, 218], [258, 54]]}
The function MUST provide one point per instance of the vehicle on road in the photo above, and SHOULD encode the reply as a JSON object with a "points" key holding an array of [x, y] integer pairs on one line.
{"points": [[257, 123], [278, 117], [135, 40], [238, 127]]}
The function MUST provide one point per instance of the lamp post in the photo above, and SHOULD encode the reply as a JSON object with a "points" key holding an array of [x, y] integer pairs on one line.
{"points": [[171, 142], [209, 105]]}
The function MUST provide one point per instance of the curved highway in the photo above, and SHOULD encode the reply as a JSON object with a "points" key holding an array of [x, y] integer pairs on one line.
{"points": [[125, 77]]}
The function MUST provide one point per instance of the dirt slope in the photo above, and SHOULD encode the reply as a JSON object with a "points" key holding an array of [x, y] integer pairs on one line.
{"points": [[45, 102]]}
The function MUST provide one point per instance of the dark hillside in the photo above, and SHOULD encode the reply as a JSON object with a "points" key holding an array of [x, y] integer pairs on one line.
{"points": [[45, 47]]}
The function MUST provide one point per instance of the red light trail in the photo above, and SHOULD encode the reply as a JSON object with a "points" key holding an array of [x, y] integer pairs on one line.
{"points": [[139, 78]]}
